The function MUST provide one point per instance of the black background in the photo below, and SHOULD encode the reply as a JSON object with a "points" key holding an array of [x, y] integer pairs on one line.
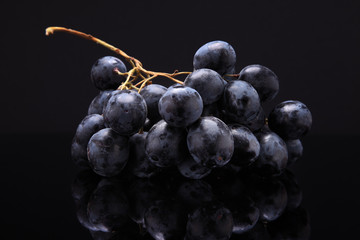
{"points": [[313, 47]]}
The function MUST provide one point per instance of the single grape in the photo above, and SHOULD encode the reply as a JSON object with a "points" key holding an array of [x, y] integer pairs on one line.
{"points": [[103, 75], [108, 152], [246, 146], [125, 112], [295, 150], [290, 119], [241, 102], [262, 79], [99, 102], [208, 83], [165, 145], [180, 106], [273, 155], [210, 142], [216, 55], [191, 169], [152, 94], [139, 163], [88, 126]]}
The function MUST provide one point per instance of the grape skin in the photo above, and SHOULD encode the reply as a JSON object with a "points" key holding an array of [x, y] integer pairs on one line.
{"points": [[210, 142], [262, 79], [87, 127], [165, 145], [290, 119], [152, 94], [208, 83], [99, 102], [216, 55], [103, 75], [241, 102], [108, 152], [180, 106], [125, 112]]}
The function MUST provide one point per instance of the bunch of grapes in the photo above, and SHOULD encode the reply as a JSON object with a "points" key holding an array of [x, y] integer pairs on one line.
{"points": [[212, 119]]}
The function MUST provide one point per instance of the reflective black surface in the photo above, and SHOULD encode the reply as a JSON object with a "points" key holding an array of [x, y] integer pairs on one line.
{"points": [[40, 199]]}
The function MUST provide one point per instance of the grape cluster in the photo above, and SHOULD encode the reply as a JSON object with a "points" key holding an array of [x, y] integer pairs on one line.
{"points": [[214, 118], [199, 159]]}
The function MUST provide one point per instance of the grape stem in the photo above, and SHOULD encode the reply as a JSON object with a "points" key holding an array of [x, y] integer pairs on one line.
{"points": [[137, 70]]}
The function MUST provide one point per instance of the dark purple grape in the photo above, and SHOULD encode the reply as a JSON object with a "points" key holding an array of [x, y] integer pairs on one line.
{"points": [[210, 142], [208, 83], [139, 163], [165, 219], [103, 75], [108, 206], [165, 145], [262, 79], [87, 127], [125, 112], [152, 94], [99, 102], [216, 55], [180, 106], [241, 102], [246, 146], [273, 155], [211, 221], [290, 119], [295, 151], [257, 122], [108, 152], [191, 169]]}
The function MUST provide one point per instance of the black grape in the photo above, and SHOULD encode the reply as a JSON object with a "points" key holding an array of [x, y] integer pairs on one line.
{"points": [[262, 79], [165, 145], [208, 83], [180, 105], [103, 75], [241, 102], [191, 169], [210, 142], [216, 55], [246, 146], [87, 127], [99, 102], [152, 94], [108, 152], [273, 155], [290, 119], [139, 163], [125, 112], [295, 150]]}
